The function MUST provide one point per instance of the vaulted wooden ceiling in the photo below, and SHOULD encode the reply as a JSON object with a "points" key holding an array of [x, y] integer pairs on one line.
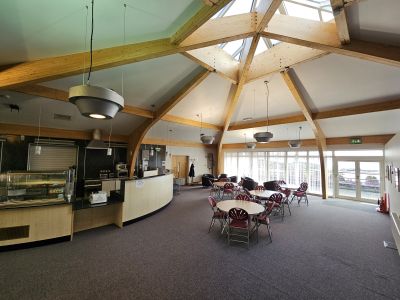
{"points": [[347, 70]]}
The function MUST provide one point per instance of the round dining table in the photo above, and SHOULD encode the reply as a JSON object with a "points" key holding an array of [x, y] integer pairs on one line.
{"points": [[264, 194], [221, 184], [251, 208]]}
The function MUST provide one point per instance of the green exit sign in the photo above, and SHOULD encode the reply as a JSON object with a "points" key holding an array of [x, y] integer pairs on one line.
{"points": [[355, 140]]}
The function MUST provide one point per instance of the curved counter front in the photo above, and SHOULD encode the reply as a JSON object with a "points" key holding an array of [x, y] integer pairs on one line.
{"points": [[145, 196]]}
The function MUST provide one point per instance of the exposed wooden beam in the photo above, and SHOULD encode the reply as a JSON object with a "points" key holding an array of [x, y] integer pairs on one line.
{"points": [[215, 59], [190, 122], [266, 9], [369, 139], [279, 57], [207, 10], [332, 113], [235, 91], [288, 77], [229, 28], [136, 137], [270, 122], [323, 36], [221, 30], [18, 129], [51, 93], [339, 13], [358, 109], [176, 143]]}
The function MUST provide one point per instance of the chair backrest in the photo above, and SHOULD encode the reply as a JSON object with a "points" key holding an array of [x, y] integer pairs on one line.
{"points": [[238, 214], [212, 202], [223, 175], [304, 186], [229, 185], [269, 206], [243, 196], [260, 188], [286, 192], [281, 181], [276, 197], [247, 192]]}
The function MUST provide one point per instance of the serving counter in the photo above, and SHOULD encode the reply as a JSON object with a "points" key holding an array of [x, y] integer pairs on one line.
{"points": [[25, 221], [145, 196]]}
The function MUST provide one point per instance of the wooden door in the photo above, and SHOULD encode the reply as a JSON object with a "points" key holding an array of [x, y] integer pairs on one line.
{"points": [[180, 167]]}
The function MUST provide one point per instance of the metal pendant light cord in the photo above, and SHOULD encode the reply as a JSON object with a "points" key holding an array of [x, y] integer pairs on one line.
{"points": [[91, 45], [267, 95]]}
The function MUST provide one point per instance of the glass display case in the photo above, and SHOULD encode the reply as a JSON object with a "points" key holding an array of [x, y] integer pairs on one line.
{"points": [[43, 186]]}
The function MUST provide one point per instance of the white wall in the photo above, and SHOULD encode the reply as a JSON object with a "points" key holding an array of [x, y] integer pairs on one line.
{"points": [[392, 157], [199, 154]]}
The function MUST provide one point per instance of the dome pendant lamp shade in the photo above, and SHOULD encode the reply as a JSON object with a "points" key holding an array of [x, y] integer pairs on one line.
{"points": [[96, 102], [295, 144], [206, 139], [263, 137]]}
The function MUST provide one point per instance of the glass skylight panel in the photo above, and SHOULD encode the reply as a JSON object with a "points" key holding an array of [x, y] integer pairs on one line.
{"points": [[239, 7], [301, 11], [274, 42], [326, 16], [261, 47], [232, 47]]}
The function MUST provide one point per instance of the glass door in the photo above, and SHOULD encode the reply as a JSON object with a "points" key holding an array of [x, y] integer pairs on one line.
{"points": [[370, 180], [359, 179], [346, 179]]}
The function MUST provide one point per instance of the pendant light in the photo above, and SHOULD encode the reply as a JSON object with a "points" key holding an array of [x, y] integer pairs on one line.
{"points": [[109, 149], [249, 145], [205, 139], [94, 101], [294, 144], [264, 136], [38, 148]]}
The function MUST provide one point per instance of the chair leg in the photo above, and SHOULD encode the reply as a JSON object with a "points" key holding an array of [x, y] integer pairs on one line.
{"points": [[211, 224], [291, 200], [269, 232], [288, 206], [306, 199]]}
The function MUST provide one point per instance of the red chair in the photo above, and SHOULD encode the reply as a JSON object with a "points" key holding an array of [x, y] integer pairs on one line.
{"points": [[276, 198], [214, 191], [238, 226], [228, 190], [243, 196], [217, 214], [301, 193], [260, 188], [263, 219], [286, 201]]}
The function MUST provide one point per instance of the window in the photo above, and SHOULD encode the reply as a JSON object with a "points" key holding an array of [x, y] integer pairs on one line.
{"points": [[294, 167], [359, 153]]}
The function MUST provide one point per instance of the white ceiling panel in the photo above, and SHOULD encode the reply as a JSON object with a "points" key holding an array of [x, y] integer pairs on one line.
{"points": [[333, 81], [376, 21], [30, 111], [43, 28], [281, 101], [209, 98], [145, 83], [280, 132], [178, 132], [385, 122]]}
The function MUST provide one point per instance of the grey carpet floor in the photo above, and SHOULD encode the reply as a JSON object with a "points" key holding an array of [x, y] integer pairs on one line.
{"points": [[330, 250]]}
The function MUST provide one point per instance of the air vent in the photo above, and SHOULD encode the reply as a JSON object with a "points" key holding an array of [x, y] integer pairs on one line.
{"points": [[62, 117], [12, 233]]}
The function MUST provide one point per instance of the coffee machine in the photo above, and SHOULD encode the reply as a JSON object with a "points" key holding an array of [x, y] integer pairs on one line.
{"points": [[121, 170]]}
